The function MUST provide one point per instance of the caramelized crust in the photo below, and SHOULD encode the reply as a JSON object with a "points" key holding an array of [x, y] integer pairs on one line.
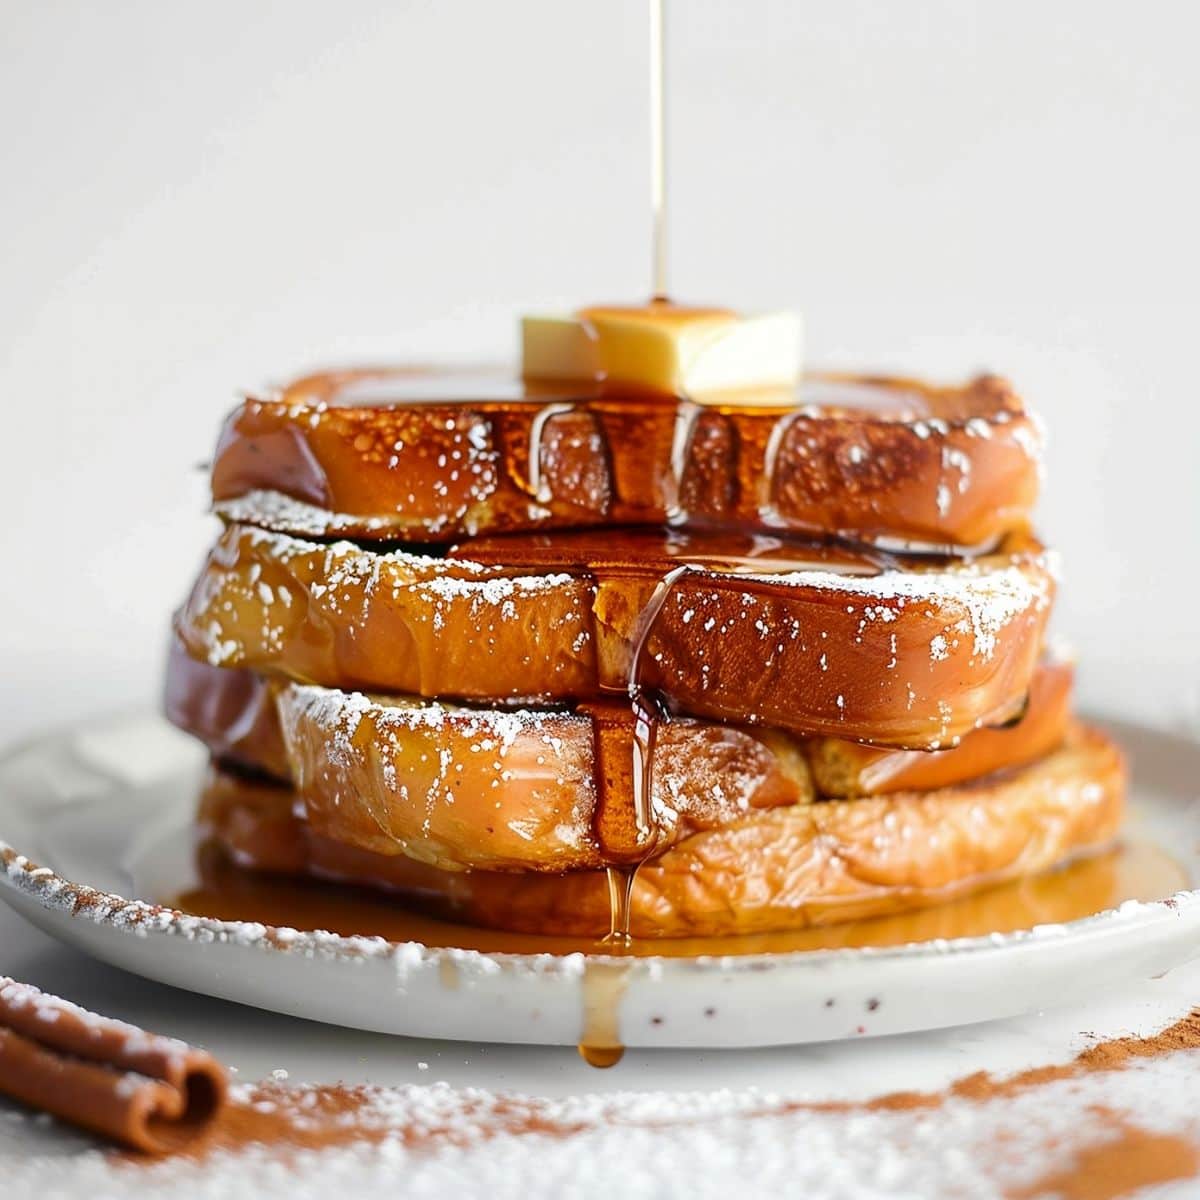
{"points": [[406, 455], [814, 640], [774, 869], [234, 714]]}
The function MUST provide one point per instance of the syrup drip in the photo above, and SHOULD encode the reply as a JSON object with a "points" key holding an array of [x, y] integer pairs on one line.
{"points": [[624, 750], [620, 902], [448, 974], [604, 985], [538, 487], [687, 413], [767, 510]]}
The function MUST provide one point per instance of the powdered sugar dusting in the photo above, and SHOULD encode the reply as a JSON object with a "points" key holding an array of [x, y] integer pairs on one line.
{"points": [[275, 510], [991, 597], [338, 714]]}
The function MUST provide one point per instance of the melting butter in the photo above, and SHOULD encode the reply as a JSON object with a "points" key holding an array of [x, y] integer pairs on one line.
{"points": [[712, 356]]}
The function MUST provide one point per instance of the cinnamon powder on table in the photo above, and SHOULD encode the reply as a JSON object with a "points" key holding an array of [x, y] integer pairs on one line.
{"points": [[1093, 1152], [1106, 1170], [1112, 1157]]}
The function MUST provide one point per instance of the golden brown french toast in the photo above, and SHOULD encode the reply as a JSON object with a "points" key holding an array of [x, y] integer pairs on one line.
{"points": [[771, 869], [816, 639], [517, 790], [409, 455]]}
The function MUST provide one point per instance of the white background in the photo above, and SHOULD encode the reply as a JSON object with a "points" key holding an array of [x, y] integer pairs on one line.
{"points": [[197, 196]]}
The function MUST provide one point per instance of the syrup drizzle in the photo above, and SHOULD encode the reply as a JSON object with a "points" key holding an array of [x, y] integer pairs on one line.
{"points": [[624, 736], [625, 732], [658, 148], [538, 487], [767, 509], [687, 413], [645, 713]]}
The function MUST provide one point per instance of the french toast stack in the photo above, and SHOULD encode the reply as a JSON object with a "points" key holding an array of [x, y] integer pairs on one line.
{"points": [[603, 652]]}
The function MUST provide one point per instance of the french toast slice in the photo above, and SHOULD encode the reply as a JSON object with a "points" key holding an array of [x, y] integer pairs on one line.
{"points": [[233, 712], [498, 789], [396, 454], [818, 640], [770, 869]]}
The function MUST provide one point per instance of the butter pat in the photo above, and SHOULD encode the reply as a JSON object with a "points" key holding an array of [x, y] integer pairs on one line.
{"points": [[701, 354], [558, 348]]}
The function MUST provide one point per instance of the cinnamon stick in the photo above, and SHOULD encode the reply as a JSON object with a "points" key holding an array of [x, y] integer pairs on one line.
{"points": [[155, 1094]]}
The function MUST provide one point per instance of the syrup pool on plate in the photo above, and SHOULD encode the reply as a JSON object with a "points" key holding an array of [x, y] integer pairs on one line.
{"points": [[1134, 870]]}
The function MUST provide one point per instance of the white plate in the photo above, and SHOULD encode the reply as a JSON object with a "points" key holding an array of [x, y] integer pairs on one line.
{"points": [[94, 818]]}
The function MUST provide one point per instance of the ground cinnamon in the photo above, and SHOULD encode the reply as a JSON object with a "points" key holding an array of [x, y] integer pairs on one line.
{"points": [[1114, 1157], [331, 1115], [1130, 1160], [1112, 1055]]}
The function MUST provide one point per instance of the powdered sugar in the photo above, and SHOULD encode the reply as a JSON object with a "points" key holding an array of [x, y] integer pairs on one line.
{"points": [[495, 729], [275, 510], [990, 597], [495, 592]]}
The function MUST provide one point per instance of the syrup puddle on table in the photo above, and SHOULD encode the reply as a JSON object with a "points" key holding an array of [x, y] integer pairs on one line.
{"points": [[1135, 870]]}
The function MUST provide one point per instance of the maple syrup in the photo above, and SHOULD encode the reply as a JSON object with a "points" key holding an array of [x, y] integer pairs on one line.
{"points": [[625, 723], [604, 985], [1134, 870]]}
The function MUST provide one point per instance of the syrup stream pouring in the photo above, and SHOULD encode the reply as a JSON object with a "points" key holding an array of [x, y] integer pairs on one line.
{"points": [[599, 1044], [658, 149]]}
